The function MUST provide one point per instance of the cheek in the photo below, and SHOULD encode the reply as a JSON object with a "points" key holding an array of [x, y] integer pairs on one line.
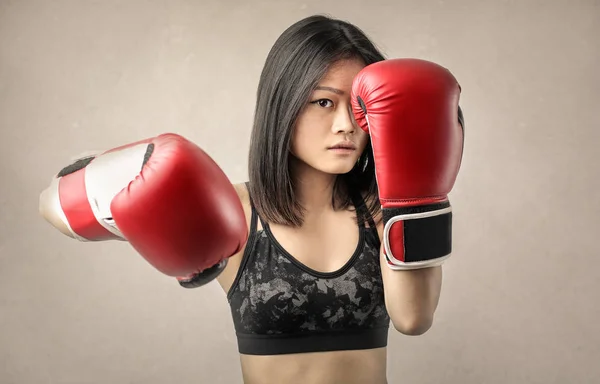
{"points": [[299, 144], [309, 132], [302, 141]]}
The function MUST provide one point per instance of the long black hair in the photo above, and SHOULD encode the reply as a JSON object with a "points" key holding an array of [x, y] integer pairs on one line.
{"points": [[298, 60]]}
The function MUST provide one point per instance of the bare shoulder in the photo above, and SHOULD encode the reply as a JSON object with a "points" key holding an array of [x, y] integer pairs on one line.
{"points": [[243, 194], [227, 277]]}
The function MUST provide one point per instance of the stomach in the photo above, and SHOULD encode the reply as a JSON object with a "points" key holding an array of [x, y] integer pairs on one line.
{"points": [[348, 367]]}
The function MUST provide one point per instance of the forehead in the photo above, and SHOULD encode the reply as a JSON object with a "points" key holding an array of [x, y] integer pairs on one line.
{"points": [[342, 73]]}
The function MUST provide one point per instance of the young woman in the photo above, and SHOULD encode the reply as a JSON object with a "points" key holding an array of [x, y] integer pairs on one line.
{"points": [[298, 248], [310, 300]]}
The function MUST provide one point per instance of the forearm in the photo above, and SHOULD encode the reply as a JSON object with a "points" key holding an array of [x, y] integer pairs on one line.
{"points": [[411, 297]]}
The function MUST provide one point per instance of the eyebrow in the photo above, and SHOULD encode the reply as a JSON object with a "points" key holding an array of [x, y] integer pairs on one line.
{"points": [[330, 89]]}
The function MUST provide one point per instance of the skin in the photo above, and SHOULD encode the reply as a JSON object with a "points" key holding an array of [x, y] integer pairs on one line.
{"points": [[328, 238]]}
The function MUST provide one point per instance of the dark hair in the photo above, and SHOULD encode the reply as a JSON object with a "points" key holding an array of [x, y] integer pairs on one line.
{"points": [[296, 63]]}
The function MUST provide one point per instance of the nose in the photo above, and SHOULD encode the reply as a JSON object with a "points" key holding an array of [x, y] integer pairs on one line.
{"points": [[344, 122]]}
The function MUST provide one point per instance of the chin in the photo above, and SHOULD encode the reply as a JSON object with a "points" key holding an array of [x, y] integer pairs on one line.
{"points": [[326, 166], [337, 169]]}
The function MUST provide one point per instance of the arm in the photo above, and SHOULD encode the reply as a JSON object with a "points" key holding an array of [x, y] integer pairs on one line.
{"points": [[410, 109], [164, 195], [411, 296]]}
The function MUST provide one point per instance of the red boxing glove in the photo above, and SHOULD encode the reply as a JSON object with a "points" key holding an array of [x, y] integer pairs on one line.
{"points": [[410, 109], [163, 195]]}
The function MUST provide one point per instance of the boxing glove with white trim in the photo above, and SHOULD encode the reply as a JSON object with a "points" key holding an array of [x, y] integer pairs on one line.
{"points": [[163, 195], [410, 108]]}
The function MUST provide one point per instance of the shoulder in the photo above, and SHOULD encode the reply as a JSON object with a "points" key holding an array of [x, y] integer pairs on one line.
{"points": [[242, 192], [227, 277], [244, 196]]}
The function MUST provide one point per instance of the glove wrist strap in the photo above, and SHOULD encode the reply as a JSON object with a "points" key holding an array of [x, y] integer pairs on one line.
{"points": [[417, 237]]}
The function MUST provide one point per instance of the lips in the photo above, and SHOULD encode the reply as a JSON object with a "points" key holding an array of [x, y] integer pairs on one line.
{"points": [[349, 146]]}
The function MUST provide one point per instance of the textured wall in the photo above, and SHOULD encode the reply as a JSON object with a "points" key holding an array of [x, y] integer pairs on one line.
{"points": [[520, 296]]}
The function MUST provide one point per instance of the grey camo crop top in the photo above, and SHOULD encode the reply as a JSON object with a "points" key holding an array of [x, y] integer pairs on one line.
{"points": [[280, 306]]}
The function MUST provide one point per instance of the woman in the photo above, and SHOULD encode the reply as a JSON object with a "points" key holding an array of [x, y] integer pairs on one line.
{"points": [[312, 293], [310, 298]]}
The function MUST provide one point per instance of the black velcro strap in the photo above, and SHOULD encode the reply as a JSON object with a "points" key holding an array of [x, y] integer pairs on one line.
{"points": [[426, 238]]}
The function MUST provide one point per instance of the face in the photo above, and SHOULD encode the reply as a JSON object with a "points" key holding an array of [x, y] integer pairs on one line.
{"points": [[326, 137]]}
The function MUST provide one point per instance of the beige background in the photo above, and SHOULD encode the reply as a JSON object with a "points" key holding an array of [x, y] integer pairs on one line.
{"points": [[520, 297]]}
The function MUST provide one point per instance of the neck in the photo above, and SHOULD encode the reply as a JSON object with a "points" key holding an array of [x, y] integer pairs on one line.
{"points": [[314, 189]]}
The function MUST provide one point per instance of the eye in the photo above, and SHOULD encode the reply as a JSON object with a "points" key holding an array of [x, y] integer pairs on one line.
{"points": [[323, 103]]}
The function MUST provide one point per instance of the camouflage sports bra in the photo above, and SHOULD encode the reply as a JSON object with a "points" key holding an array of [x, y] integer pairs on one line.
{"points": [[281, 306]]}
